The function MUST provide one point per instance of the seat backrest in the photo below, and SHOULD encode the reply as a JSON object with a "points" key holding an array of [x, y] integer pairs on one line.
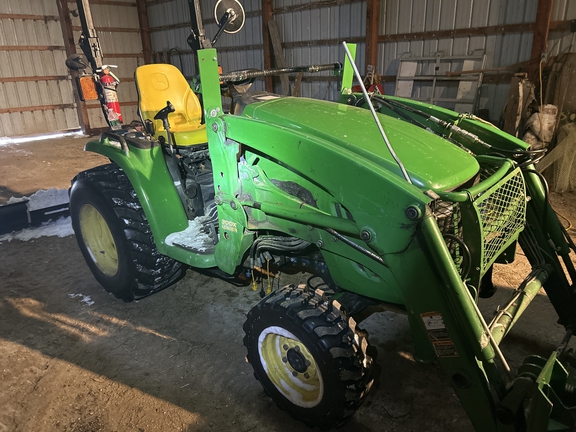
{"points": [[158, 83]]}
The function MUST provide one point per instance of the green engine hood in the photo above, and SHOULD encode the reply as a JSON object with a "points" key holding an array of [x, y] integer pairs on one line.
{"points": [[432, 162]]}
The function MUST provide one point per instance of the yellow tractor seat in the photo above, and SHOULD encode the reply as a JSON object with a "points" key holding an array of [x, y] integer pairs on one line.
{"points": [[159, 83]]}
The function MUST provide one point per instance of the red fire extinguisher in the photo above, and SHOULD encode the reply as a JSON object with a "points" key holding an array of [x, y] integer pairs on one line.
{"points": [[109, 82]]}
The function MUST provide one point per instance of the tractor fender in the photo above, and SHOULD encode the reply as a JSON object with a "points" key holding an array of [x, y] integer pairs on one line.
{"points": [[149, 176]]}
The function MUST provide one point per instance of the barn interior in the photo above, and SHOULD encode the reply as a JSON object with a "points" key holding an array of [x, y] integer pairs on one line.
{"points": [[76, 358]]}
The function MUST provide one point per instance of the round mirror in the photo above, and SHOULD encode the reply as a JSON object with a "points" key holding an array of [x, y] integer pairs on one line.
{"points": [[233, 7]]}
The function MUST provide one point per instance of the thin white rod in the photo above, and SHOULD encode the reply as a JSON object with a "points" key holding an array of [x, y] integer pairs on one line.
{"points": [[380, 128]]}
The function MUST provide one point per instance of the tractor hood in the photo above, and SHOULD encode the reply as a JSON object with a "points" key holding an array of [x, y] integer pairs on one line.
{"points": [[431, 162]]}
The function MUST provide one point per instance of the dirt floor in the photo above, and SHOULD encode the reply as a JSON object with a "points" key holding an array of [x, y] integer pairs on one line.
{"points": [[175, 361]]}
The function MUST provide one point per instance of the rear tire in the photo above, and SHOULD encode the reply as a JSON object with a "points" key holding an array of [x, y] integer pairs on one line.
{"points": [[114, 235], [308, 355]]}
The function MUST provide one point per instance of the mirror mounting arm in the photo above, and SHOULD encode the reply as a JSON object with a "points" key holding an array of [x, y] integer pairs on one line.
{"points": [[228, 16]]}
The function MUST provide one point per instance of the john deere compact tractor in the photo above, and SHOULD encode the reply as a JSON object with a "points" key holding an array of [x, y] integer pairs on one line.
{"points": [[386, 202]]}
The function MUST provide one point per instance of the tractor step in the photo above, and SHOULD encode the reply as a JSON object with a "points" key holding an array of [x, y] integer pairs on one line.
{"points": [[196, 238]]}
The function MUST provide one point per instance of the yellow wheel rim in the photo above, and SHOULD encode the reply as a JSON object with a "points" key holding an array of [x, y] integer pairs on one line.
{"points": [[98, 240], [290, 367]]}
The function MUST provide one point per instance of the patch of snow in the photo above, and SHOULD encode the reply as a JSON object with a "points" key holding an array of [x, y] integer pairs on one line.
{"points": [[43, 199], [192, 237], [60, 228], [14, 200], [85, 299]]}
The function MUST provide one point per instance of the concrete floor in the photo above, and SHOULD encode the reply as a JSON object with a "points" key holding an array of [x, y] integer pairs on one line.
{"points": [[28, 167]]}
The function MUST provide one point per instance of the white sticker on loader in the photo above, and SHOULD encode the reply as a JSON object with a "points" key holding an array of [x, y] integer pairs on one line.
{"points": [[438, 334]]}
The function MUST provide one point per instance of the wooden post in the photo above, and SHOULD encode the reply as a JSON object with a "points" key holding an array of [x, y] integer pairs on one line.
{"points": [[144, 30], [372, 28], [540, 39], [70, 45], [279, 61], [66, 24], [267, 12]]}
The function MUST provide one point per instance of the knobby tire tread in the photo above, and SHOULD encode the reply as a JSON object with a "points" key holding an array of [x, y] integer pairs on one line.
{"points": [[329, 324], [154, 271]]}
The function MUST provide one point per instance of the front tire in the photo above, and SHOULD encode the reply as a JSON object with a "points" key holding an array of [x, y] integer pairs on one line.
{"points": [[308, 355], [114, 236]]}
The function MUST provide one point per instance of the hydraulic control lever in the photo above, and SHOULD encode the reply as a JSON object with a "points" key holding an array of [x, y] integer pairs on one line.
{"points": [[172, 162], [163, 115]]}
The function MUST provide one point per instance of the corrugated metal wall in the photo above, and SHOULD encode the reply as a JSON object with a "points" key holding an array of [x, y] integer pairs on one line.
{"points": [[314, 35], [118, 29], [169, 22], [562, 41], [35, 88], [302, 30], [233, 54], [411, 16], [311, 32]]}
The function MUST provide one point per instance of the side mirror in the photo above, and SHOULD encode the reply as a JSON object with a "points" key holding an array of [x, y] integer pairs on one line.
{"points": [[230, 17]]}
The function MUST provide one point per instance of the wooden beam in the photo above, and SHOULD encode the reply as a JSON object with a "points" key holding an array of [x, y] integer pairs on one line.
{"points": [[561, 25], [68, 34], [541, 28], [251, 14], [279, 60], [464, 32], [323, 42], [34, 78], [372, 29], [111, 29], [107, 3], [473, 31], [29, 17], [233, 48], [32, 48], [66, 24], [144, 30], [36, 108], [157, 2], [228, 49], [314, 5], [123, 55], [97, 105], [267, 16]]}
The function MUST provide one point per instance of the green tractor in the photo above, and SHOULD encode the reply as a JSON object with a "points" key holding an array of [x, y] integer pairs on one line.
{"points": [[388, 203]]}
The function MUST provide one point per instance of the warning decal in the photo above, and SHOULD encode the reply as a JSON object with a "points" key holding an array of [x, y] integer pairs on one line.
{"points": [[438, 334]]}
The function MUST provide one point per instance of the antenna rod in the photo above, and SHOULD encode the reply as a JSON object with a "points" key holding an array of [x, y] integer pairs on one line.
{"points": [[367, 97]]}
